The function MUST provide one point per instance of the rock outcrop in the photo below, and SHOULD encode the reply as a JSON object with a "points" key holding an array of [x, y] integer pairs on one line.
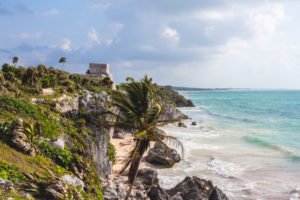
{"points": [[73, 180], [191, 188], [146, 177], [119, 133], [170, 112], [162, 155], [177, 98], [6, 185], [182, 125], [116, 188]]}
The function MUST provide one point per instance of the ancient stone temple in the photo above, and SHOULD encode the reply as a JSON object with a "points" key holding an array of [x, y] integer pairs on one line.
{"points": [[99, 70]]}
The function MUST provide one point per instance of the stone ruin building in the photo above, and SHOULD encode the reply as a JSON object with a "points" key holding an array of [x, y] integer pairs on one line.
{"points": [[99, 70]]}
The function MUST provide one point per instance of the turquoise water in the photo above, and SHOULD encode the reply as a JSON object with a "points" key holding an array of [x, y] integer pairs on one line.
{"points": [[269, 118], [246, 141]]}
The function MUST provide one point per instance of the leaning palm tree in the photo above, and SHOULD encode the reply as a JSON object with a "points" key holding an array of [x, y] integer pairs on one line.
{"points": [[139, 110], [15, 60], [63, 60]]}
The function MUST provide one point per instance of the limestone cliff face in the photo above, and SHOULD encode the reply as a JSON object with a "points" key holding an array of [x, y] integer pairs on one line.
{"points": [[98, 141]]}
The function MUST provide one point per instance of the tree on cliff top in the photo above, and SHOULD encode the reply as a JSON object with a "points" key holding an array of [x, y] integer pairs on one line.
{"points": [[139, 110], [15, 60], [63, 60]]}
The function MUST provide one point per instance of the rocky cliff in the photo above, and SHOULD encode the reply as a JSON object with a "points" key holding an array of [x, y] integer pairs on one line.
{"points": [[178, 99]]}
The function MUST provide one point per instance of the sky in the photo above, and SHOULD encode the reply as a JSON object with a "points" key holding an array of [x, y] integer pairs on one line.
{"points": [[192, 43]]}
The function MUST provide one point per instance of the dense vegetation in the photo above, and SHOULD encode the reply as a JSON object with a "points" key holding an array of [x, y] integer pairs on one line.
{"points": [[30, 81], [26, 130]]}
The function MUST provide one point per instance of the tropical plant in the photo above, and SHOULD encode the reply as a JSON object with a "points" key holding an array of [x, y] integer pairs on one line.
{"points": [[48, 186], [15, 60], [62, 61], [139, 110], [15, 133]]}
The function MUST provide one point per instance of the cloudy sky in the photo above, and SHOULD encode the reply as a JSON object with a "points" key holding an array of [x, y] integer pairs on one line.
{"points": [[196, 43]]}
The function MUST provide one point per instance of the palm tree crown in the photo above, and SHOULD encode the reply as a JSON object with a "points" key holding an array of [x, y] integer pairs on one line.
{"points": [[15, 60], [139, 110], [62, 60]]}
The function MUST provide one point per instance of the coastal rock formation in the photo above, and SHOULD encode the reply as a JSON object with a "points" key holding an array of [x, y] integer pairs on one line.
{"points": [[194, 188], [170, 112], [191, 188], [194, 123], [116, 188], [181, 124], [157, 193], [162, 155], [147, 177], [177, 98]]}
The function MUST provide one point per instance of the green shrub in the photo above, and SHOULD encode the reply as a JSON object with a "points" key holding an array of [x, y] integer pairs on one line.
{"points": [[111, 153], [62, 157], [12, 173]]}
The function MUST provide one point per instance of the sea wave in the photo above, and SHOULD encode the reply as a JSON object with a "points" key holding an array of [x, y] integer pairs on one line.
{"points": [[224, 116], [290, 154], [264, 143], [224, 169]]}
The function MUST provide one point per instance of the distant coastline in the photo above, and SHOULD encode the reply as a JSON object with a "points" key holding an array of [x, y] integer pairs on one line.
{"points": [[178, 88]]}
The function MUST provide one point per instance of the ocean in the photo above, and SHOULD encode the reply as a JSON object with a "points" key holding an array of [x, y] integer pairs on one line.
{"points": [[246, 141]]}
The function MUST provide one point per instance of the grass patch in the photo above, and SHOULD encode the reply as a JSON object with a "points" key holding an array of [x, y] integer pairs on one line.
{"points": [[24, 163], [49, 125]]}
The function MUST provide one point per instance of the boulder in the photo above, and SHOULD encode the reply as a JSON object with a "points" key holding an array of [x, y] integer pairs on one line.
{"points": [[194, 123], [73, 180], [194, 188], [146, 177], [118, 133], [162, 155], [157, 193], [181, 124], [58, 142], [6, 185], [217, 194]]}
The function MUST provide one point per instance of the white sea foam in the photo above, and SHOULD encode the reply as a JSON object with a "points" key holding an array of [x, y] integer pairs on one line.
{"points": [[224, 169], [295, 196]]}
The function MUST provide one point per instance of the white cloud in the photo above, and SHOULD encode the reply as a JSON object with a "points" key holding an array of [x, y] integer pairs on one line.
{"points": [[93, 36], [66, 44], [51, 12], [109, 42], [170, 33], [264, 20], [217, 15]]}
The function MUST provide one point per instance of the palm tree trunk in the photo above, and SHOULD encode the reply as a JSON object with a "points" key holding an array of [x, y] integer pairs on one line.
{"points": [[134, 177], [135, 165]]}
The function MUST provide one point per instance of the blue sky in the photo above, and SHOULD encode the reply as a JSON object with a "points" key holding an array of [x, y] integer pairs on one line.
{"points": [[212, 43]]}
